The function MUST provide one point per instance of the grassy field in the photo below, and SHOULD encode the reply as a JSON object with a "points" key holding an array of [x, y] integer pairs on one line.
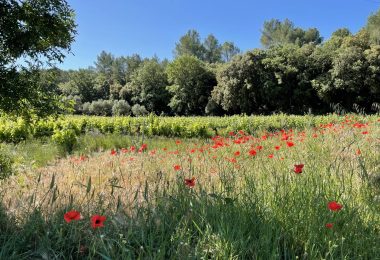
{"points": [[307, 193]]}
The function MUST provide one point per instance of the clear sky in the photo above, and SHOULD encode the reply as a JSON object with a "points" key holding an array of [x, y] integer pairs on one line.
{"points": [[152, 27]]}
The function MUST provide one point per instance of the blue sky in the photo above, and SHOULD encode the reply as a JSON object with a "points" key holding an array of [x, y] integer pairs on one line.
{"points": [[152, 27]]}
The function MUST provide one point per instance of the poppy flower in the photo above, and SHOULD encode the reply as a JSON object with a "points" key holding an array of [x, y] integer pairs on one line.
{"points": [[82, 158], [237, 153], [259, 147], [329, 225], [71, 215], [289, 144], [177, 167], [277, 147], [124, 150], [334, 206], [113, 152], [252, 152], [132, 148], [365, 132], [358, 152], [298, 168], [190, 182], [270, 156], [231, 133], [97, 221], [178, 142]]}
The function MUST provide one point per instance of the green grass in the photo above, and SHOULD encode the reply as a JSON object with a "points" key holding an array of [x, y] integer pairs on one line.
{"points": [[254, 208]]}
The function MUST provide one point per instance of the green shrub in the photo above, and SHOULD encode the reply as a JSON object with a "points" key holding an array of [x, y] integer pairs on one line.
{"points": [[6, 164]]}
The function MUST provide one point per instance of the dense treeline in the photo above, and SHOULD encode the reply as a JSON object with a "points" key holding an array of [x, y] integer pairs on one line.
{"points": [[295, 72]]}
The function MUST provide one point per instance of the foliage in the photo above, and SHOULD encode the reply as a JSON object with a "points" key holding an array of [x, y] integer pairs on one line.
{"points": [[148, 86], [32, 32], [139, 110], [191, 84], [121, 108], [276, 32]]}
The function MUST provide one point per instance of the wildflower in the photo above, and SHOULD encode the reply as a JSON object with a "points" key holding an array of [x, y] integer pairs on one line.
{"points": [[113, 152], [231, 133], [97, 221], [190, 182], [132, 148], [259, 147], [142, 148], [178, 142], [334, 206], [72, 215], [289, 144], [252, 152], [177, 167], [82, 158], [365, 132], [329, 225], [298, 168], [124, 150], [277, 147], [270, 156], [358, 152], [237, 153]]}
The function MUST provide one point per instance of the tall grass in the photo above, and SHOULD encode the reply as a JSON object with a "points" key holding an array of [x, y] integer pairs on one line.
{"points": [[243, 205]]}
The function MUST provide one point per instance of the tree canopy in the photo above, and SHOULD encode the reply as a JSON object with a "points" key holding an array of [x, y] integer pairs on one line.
{"points": [[33, 33]]}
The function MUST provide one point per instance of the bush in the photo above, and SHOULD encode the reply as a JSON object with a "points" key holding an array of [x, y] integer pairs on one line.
{"points": [[121, 108], [101, 107], [139, 110], [86, 108], [6, 164]]}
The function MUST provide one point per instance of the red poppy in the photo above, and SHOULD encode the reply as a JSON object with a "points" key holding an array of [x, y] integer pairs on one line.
{"points": [[365, 132], [113, 152], [192, 151], [334, 206], [82, 157], [124, 150], [270, 156], [231, 133], [190, 182], [237, 153], [71, 215], [142, 148], [259, 147], [177, 167], [97, 221], [298, 168], [289, 144], [358, 152], [277, 147], [178, 142], [329, 225], [315, 135], [252, 152]]}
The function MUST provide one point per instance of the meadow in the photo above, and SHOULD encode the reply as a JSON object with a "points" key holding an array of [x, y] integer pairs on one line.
{"points": [[278, 187]]}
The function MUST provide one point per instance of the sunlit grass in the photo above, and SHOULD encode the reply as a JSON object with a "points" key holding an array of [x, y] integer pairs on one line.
{"points": [[244, 204]]}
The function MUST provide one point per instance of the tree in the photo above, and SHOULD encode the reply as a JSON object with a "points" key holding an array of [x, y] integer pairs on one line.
{"points": [[104, 63], [191, 85], [190, 44], [373, 27], [212, 50], [84, 82], [228, 51], [148, 86], [32, 33], [276, 32]]}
